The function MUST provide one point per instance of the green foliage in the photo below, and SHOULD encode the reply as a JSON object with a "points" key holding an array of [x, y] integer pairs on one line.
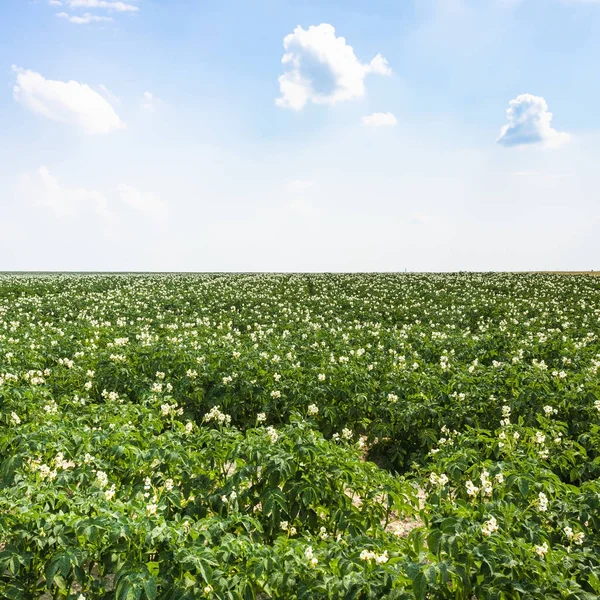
{"points": [[295, 436]]}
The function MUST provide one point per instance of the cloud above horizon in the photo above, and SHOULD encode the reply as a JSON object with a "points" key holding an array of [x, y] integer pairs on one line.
{"points": [[529, 122], [84, 19], [321, 68], [103, 4], [379, 119], [144, 202], [45, 189], [68, 102]]}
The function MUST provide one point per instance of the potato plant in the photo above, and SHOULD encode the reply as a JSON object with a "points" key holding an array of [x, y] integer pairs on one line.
{"points": [[281, 436]]}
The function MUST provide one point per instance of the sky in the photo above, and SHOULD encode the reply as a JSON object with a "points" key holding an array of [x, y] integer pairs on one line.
{"points": [[305, 135]]}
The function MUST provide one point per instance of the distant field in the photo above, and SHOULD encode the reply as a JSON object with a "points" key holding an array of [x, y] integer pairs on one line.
{"points": [[299, 437]]}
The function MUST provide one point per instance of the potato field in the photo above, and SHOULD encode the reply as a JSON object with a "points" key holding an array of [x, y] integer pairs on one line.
{"points": [[258, 436]]}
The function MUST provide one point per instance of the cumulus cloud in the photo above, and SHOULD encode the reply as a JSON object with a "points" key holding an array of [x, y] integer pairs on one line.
{"points": [[379, 119], [529, 123], [47, 190], [54, 2], [85, 19], [321, 68], [67, 102], [143, 202], [112, 98], [105, 4], [150, 102]]}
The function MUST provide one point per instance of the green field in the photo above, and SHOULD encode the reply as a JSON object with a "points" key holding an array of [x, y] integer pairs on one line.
{"points": [[299, 436]]}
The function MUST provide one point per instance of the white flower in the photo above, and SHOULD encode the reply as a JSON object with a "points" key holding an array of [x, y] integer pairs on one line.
{"points": [[436, 479], [367, 555], [313, 409], [472, 490], [216, 415], [321, 376], [261, 417], [347, 433], [275, 394], [169, 485], [541, 550], [15, 418], [109, 494], [272, 433], [151, 508], [543, 502], [188, 427], [208, 589], [489, 527], [101, 478]]}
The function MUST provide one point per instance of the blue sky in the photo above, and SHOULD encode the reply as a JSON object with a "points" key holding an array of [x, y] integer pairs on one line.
{"points": [[155, 135]]}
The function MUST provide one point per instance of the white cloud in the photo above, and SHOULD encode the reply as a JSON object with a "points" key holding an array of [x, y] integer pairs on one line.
{"points": [[379, 119], [105, 4], [529, 123], [54, 2], [143, 202], [67, 102], [47, 191], [150, 102], [321, 68], [112, 98], [85, 19]]}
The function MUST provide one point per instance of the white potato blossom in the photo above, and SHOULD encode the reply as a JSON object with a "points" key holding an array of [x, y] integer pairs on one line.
{"points": [[216, 415], [541, 550], [369, 555], [490, 526], [15, 418], [261, 417], [102, 478], [347, 434], [577, 538], [313, 409], [272, 433], [309, 555], [542, 502], [472, 489], [440, 480]]}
